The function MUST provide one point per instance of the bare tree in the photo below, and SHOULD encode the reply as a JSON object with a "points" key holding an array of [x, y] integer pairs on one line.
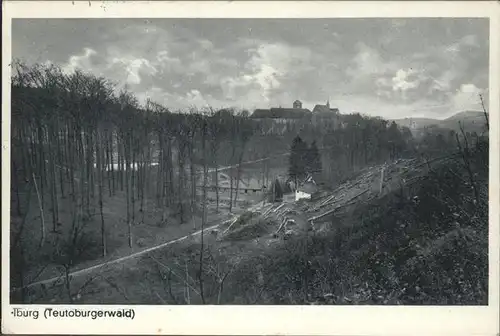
{"points": [[465, 152], [204, 206], [485, 112], [245, 131], [215, 130], [100, 169]]}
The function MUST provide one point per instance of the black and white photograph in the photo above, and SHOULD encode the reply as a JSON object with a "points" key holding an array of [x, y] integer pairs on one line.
{"points": [[329, 161]]}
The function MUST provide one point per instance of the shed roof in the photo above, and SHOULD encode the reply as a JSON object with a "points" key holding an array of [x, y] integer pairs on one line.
{"points": [[308, 187]]}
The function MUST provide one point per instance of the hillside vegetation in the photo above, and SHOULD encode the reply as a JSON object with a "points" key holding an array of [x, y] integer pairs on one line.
{"points": [[422, 243]]}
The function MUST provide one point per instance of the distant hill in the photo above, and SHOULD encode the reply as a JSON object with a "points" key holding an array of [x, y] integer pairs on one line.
{"points": [[472, 121], [417, 123]]}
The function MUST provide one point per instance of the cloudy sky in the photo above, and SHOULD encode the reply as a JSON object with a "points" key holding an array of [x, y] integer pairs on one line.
{"points": [[387, 67]]}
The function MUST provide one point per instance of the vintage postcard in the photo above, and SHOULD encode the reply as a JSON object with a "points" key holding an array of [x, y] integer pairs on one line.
{"points": [[312, 168]]}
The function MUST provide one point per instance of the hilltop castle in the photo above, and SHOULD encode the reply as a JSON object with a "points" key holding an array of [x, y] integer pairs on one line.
{"points": [[326, 116], [284, 114], [321, 114]]}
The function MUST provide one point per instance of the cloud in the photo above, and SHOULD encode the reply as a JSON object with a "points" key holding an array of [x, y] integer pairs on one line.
{"points": [[133, 68], [466, 98], [81, 61], [377, 66], [123, 69], [443, 82], [206, 44], [469, 41], [401, 81], [272, 65], [368, 62], [408, 83], [167, 63], [270, 70]]}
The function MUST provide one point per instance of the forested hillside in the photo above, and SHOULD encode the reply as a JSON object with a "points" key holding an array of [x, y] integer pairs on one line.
{"points": [[96, 175]]}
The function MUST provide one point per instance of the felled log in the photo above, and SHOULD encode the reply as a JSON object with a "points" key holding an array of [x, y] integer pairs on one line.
{"points": [[339, 207]]}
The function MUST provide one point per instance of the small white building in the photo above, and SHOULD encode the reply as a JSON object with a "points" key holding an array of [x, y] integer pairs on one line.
{"points": [[305, 191], [300, 195]]}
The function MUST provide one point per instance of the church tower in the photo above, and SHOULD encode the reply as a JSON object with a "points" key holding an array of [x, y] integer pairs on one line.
{"points": [[297, 104], [328, 103]]}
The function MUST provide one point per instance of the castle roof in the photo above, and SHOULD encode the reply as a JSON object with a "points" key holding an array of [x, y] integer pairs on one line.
{"points": [[281, 113], [324, 109]]}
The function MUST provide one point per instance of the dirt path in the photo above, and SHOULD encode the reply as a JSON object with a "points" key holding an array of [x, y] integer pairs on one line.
{"points": [[127, 257], [136, 254]]}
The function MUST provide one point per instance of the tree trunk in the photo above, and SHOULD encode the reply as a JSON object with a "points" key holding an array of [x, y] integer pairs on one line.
{"points": [[100, 157], [161, 171], [169, 168], [231, 177], [193, 174], [82, 170], [231, 189], [89, 170], [147, 172], [42, 217], [132, 178], [128, 188], [42, 166], [217, 187], [238, 173], [72, 148], [35, 168], [60, 154], [204, 212], [15, 182], [91, 165], [22, 148], [215, 163], [465, 157], [166, 197], [121, 159], [181, 181], [113, 139], [263, 176], [142, 184], [108, 164], [267, 172], [53, 183]]}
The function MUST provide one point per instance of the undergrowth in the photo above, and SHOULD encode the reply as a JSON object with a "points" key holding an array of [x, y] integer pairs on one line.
{"points": [[424, 244]]}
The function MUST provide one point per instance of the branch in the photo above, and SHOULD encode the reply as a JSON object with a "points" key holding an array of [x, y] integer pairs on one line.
{"points": [[170, 287], [115, 286], [40, 205], [485, 113], [17, 237], [171, 271]]}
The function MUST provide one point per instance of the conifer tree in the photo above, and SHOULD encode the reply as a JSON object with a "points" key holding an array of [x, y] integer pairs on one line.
{"points": [[313, 159], [298, 151]]}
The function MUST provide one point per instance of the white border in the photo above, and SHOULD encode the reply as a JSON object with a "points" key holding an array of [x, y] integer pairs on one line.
{"points": [[251, 320]]}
